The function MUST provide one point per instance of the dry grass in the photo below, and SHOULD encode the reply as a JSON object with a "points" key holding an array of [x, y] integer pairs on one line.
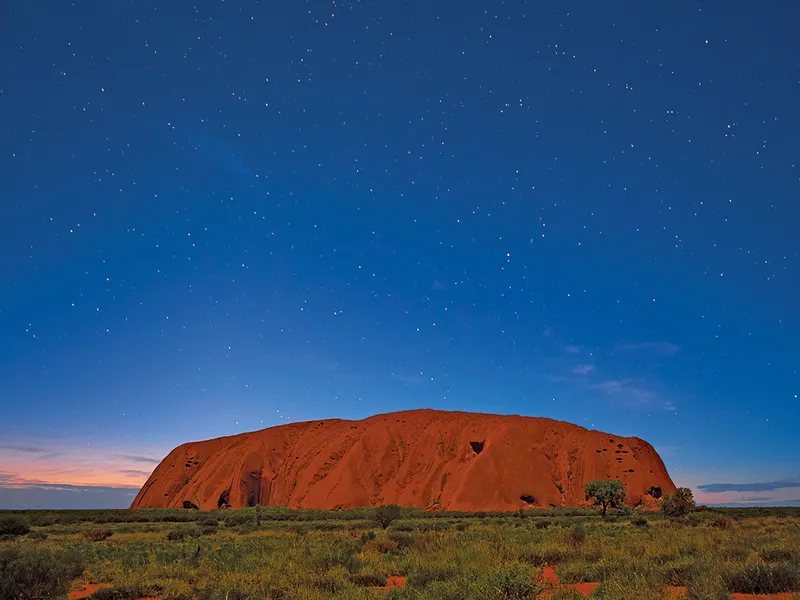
{"points": [[346, 556]]}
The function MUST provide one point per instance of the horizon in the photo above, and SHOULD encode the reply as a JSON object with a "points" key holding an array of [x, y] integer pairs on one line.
{"points": [[220, 218]]}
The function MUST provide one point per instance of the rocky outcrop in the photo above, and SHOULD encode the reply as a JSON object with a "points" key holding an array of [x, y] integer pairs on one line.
{"points": [[424, 458]]}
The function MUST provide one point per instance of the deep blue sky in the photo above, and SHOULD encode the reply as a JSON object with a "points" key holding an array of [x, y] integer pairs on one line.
{"points": [[221, 216]]}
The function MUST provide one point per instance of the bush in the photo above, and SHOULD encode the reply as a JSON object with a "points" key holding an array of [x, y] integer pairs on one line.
{"points": [[97, 535], [176, 535], [761, 578], [37, 573], [14, 525], [606, 493], [237, 519], [380, 545], [640, 522], [513, 583], [368, 579], [678, 504], [577, 534], [208, 522], [385, 515], [37, 535]]}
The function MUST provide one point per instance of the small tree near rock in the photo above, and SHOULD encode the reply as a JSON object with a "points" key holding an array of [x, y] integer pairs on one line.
{"points": [[607, 493], [678, 504], [385, 515]]}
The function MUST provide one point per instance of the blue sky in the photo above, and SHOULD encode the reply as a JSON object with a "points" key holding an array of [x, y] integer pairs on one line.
{"points": [[223, 217]]}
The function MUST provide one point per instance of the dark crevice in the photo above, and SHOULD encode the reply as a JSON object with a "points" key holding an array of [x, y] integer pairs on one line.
{"points": [[527, 499], [477, 447], [655, 491], [224, 499]]}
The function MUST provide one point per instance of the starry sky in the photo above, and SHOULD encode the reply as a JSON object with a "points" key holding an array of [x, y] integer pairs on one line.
{"points": [[218, 216]]}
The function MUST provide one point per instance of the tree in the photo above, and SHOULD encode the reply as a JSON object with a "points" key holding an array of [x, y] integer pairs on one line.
{"points": [[606, 493], [678, 504], [384, 515]]}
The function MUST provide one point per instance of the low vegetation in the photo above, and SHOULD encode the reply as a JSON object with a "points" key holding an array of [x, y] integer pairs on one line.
{"points": [[279, 554]]}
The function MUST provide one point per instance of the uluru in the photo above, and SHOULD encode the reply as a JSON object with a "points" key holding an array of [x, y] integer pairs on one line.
{"points": [[430, 459]]}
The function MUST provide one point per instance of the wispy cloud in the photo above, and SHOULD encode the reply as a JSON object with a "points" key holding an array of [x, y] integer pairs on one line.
{"points": [[665, 348], [768, 486], [582, 369], [64, 496], [632, 393], [135, 473], [412, 378], [140, 459], [71, 462]]}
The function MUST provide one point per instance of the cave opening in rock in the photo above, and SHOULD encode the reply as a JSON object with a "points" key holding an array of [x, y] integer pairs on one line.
{"points": [[189, 505], [224, 499], [527, 499], [477, 447], [654, 491]]}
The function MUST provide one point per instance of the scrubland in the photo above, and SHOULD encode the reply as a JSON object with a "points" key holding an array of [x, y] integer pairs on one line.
{"points": [[269, 553]]}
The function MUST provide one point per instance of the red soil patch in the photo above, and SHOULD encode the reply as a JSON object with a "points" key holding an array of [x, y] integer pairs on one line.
{"points": [[549, 579], [676, 591], [429, 459], [585, 589], [392, 582], [86, 591], [549, 576], [780, 596]]}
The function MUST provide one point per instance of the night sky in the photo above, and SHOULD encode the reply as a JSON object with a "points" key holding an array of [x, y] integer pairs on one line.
{"points": [[221, 216]]}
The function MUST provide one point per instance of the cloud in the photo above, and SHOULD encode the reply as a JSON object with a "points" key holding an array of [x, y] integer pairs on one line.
{"points": [[135, 473], [632, 393], [413, 378], [571, 349], [665, 348], [42, 497], [746, 502], [582, 369], [715, 488], [141, 459], [22, 448]]}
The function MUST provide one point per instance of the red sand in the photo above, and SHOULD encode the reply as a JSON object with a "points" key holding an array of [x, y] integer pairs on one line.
{"points": [[392, 582], [86, 591], [781, 596], [549, 579], [424, 458]]}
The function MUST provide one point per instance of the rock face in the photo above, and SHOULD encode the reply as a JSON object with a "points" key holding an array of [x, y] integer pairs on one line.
{"points": [[424, 458]]}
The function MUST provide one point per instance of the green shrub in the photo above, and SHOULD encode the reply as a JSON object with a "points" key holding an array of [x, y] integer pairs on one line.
{"points": [[386, 515], [37, 535], [775, 554], [37, 573], [403, 539], [97, 535], [176, 535], [542, 523], [513, 583], [424, 574], [679, 504], [761, 578], [14, 525], [640, 521], [577, 534], [605, 493], [368, 579]]}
